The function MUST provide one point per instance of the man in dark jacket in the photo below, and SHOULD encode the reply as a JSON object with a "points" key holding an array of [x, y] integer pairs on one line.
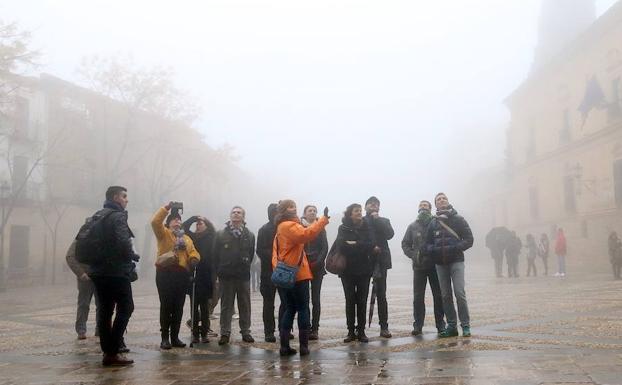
{"points": [[316, 251], [265, 238], [496, 241], [112, 277], [86, 289], [424, 270], [203, 239], [447, 237], [234, 248], [381, 232], [512, 251]]}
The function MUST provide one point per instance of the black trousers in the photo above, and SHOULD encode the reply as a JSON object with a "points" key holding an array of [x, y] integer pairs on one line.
{"points": [[316, 289], [531, 265], [201, 309], [113, 292], [381, 300], [356, 290], [172, 288], [420, 280], [268, 292]]}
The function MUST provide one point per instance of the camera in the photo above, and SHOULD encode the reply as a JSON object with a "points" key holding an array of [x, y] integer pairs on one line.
{"points": [[177, 206]]}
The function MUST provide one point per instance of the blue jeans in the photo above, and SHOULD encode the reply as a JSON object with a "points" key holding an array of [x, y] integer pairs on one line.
{"points": [[296, 300], [448, 275]]}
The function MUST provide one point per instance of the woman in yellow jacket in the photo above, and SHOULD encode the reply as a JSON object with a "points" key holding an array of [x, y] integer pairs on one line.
{"points": [[288, 247], [172, 273]]}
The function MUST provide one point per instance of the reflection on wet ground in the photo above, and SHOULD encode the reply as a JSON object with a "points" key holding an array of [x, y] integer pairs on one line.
{"points": [[528, 331]]}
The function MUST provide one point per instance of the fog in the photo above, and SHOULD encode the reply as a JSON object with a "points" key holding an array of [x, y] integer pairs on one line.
{"points": [[324, 102]]}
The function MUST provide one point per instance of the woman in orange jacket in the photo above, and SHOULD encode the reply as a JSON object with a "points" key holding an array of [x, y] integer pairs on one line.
{"points": [[288, 247]]}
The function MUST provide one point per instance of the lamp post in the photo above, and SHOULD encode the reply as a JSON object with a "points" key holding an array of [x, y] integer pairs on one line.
{"points": [[4, 188]]}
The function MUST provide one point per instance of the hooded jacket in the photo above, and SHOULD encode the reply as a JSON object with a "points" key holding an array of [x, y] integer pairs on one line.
{"points": [[166, 242], [265, 238], [204, 243], [382, 231], [359, 260], [233, 255], [444, 247], [289, 245]]}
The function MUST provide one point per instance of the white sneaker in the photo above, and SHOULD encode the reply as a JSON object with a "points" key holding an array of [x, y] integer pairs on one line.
{"points": [[563, 274]]}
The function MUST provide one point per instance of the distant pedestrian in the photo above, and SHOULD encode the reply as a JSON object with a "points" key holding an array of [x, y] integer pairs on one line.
{"points": [[532, 253], [424, 270], [561, 249], [615, 254], [496, 242], [512, 252], [544, 250]]}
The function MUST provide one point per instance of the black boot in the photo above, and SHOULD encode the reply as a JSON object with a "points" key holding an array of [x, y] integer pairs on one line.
{"points": [[165, 344], [175, 341], [361, 335], [285, 350], [303, 336], [351, 336]]}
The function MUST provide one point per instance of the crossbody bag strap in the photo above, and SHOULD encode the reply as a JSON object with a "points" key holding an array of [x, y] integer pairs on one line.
{"points": [[451, 231], [302, 253]]}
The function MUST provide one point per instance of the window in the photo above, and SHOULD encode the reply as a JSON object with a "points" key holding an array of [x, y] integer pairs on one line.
{"points": [[570, 203], [19, 247], [564, 133], [534, 208], [617, 181]]}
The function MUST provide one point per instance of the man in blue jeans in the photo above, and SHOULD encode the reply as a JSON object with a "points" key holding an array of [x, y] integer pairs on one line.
{"points": [[447, 237]]}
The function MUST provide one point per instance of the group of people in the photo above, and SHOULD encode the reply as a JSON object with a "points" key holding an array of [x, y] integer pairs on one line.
{"points": [[194, 259], [502, 241]]}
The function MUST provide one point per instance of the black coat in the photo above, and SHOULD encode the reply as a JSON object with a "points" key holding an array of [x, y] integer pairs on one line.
{"points": [[204, 243], [316, 251], [382, 231], [233, 256], [265, 239], [120, 257], [441, 245], [359, 258], [413, 240]]}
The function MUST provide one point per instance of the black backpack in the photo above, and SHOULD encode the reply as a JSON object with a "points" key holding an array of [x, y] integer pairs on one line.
{"points": [[91, 240]]}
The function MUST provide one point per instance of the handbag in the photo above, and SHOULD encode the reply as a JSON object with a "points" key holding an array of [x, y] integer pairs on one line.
{"points": [[167, 259], [335, 261], [284, 275]]}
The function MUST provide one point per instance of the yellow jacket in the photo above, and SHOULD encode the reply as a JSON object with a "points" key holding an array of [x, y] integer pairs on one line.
{"points": [[166, 240]]}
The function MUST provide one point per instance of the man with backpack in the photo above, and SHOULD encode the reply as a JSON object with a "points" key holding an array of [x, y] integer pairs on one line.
{"points": [[104, 243]]}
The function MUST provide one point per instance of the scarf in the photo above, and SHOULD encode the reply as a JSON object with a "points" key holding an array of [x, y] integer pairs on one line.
{"points": [[236, 231], [305, 222], [446, 212], [180, 243], [424, 216]]}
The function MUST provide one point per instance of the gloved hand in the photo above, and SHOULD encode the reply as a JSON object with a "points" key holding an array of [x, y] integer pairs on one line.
{"points": [[326, 212], [194, 262]]}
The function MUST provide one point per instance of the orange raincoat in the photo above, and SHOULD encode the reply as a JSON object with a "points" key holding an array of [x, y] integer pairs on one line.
{"points": [[292, 237]]}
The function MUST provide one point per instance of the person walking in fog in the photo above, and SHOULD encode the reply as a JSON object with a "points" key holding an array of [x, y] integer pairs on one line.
{"points": [[561, 250], [496, 242], [177, 256], [234, 248], [289, 248], [532, 252], [203, 239], [543, 251], [316, 251], [381, 232], [354, 241], [512, 251], [447, 238], [86, 290], [615, 254], [424, 270]]}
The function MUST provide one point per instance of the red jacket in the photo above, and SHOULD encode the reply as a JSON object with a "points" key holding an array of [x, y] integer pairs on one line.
{"points": [[560, 244]]}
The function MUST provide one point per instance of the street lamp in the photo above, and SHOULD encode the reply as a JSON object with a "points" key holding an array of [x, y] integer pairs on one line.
{"points": [[4, 189]]}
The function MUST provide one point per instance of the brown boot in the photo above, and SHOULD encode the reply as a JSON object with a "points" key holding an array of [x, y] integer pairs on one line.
{"points": [[116, 360]]}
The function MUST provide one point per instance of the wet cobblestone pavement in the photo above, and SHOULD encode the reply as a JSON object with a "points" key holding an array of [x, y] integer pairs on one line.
{"points": [[542, 330]]}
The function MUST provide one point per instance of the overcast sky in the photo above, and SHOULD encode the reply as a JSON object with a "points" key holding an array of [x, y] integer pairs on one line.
{"points": [[326, 100]]}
